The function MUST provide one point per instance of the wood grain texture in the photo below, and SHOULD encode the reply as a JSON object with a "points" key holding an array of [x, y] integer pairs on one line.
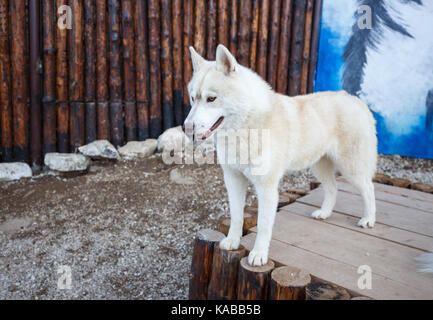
{"points": [[306, 52], [201, 264], [244, 32], [253, 282], [224, 275], [5, 85], [288, 283], [284, 51], [153, 9], [261, 62], [255, 13], [178, 88], [223, 22], [142, 69], [211, 29], [102, 94], [274, 36], [166, 65], [19, 73], [297, 45], [188, 40]]}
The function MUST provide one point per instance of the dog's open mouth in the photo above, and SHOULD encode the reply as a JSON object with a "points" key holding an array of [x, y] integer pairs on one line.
{"points": [[208, 133]]}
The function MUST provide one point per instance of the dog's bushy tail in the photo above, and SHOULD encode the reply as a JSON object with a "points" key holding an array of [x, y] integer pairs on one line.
{"points": [[425, 263]]}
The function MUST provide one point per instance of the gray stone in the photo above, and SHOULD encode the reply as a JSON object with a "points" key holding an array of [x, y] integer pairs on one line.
{"points": [[66, 162], [99, 149], [138, 149], [14, 171], [173, 139]]}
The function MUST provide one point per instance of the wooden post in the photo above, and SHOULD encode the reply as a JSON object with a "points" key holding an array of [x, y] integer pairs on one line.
{"points": [[284, 51], [201, 265], [263, 38], [188, 30], [167, 65], [35, 85], [102, 71], [253, 282], [223, 22], [314, 44], [224, 276], [211, 29], [273, 43], [115, 79], [306, 54], [142, 69], [325, 291], [288, 283], [250, 221], [76, 77], [244, 32], [255, 11], [177, 61], [49, 80], [129, 70], [19, 80], [5, 83], [234, 16], [62, 85], [295, 65], [200, 27], [155, 68], [90, 70]]}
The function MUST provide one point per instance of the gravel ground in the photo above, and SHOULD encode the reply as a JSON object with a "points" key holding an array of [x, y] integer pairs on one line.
{"points": [[125, 229]]}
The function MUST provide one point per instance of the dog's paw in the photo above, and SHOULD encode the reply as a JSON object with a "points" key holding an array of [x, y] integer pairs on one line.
{"points": [[366, 222], [258, 258], [320, 214], [230, 243]]}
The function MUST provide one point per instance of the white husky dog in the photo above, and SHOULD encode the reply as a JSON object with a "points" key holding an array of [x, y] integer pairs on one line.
{"points": [[329, 131]]}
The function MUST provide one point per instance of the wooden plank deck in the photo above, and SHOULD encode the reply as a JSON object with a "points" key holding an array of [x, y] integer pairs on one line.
{"points": [[334, 249]]}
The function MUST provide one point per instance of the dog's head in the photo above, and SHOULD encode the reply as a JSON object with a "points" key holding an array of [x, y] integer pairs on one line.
{"points": [[219, 94]]}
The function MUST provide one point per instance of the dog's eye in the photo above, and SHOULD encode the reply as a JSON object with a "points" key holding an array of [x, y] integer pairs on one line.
{"points": [[211, 99]]}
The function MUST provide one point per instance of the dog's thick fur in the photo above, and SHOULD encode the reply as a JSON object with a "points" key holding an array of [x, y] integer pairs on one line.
{"points": [[328, 131]]}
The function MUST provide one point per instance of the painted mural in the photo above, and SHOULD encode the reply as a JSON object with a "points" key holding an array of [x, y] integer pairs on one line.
{"points": [[383, 53]]}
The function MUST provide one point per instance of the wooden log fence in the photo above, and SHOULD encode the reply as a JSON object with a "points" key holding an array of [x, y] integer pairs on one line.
{"points": [[73, 71]]}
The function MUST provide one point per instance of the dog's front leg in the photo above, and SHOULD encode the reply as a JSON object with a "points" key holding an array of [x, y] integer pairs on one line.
{"points": [[268, 202], [236, 185]]}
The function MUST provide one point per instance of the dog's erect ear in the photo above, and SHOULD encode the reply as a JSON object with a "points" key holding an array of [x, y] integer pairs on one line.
{"points": [[225, 60], [197, 60]]}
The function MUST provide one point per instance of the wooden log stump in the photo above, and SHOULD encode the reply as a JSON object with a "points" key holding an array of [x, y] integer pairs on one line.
{"points": [[250, 221], [224, 275], [288, 283], [314, 184], [422, 187], [382, 178], [361, 298], [325, 291], [253, 282], [400, 182], [201, 264]]}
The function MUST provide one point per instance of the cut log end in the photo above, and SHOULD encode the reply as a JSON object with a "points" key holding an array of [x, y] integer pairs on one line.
{"points": [[289, 283], [253, 282], [325, 291]]}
